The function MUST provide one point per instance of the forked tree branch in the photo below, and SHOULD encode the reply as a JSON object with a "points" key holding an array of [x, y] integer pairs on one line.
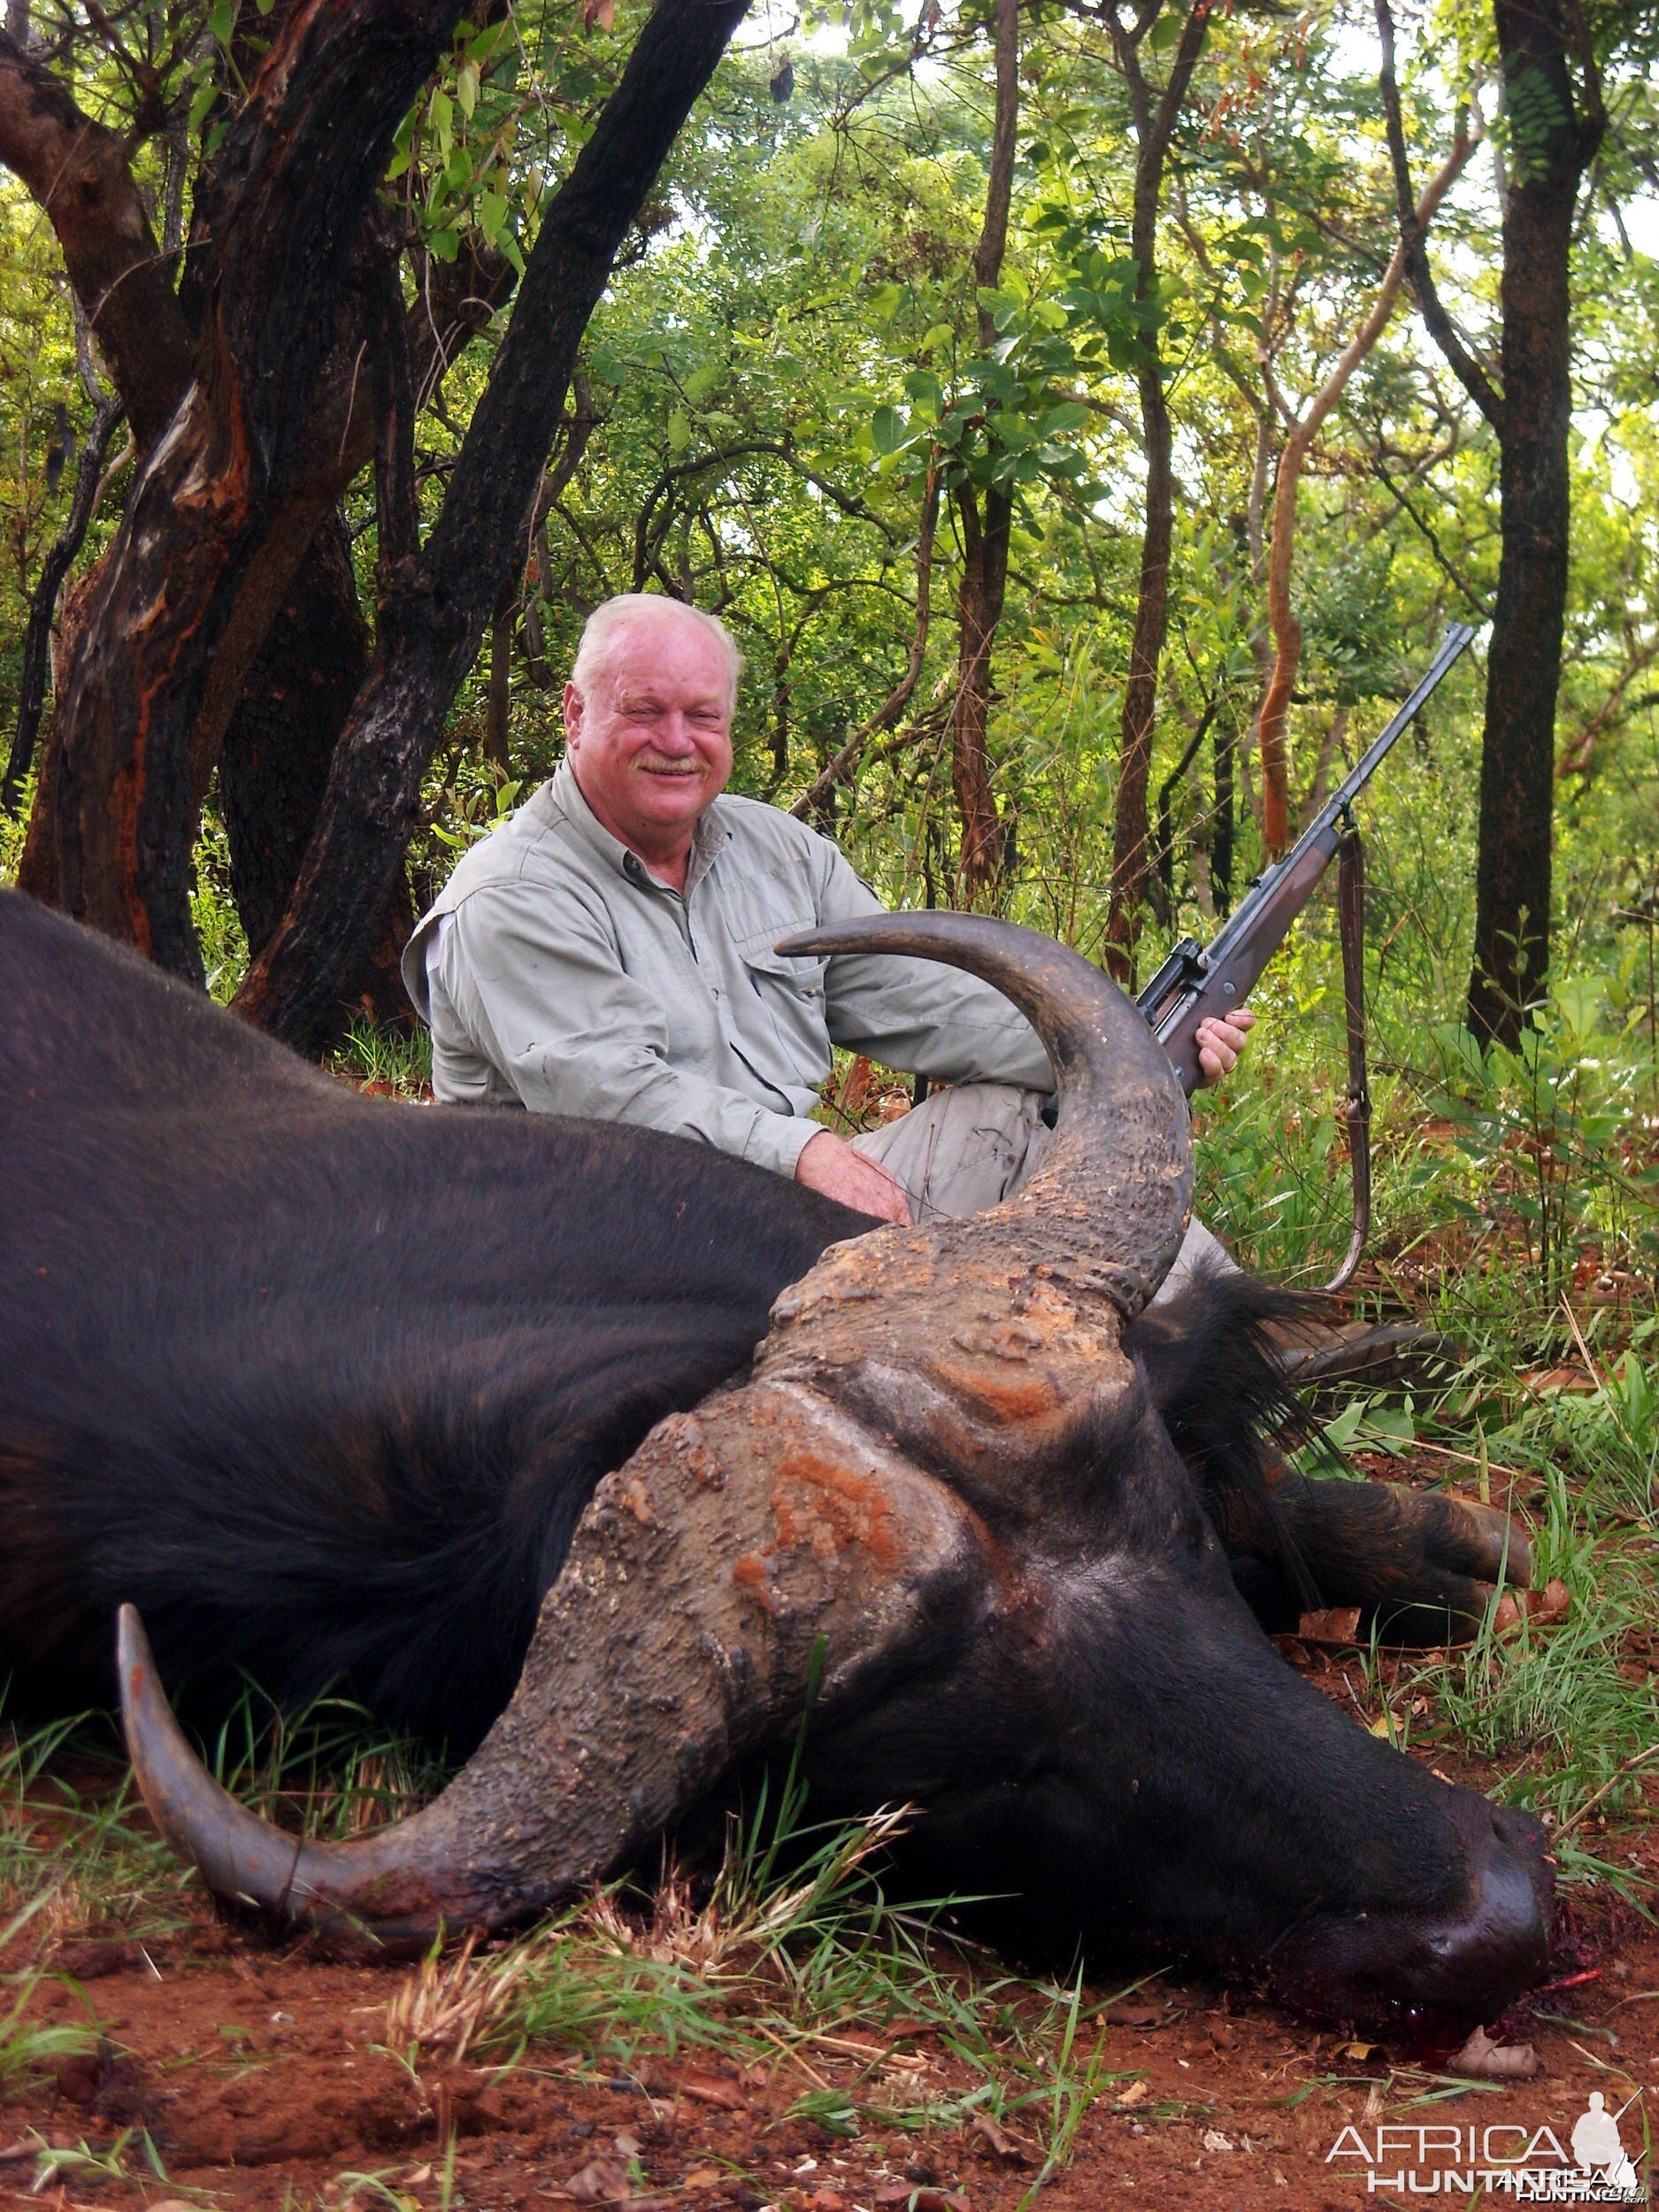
{"points": [[1287, 631], [1463, 364]]}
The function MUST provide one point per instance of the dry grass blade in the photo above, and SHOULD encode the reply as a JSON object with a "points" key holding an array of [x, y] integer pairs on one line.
{"points": [[445, 2006], [737, 1921]]}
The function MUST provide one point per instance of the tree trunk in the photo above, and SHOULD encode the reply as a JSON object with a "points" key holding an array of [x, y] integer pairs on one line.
{"points": [[274, 764], [986, 525], [274, 767], [299, 166], [1145, 651], [1155, 128], [37, 637], [1512, 865], [1221, 836], [986, 520], [498, 721], [433, 618], [1557, 128], [77, 171]]}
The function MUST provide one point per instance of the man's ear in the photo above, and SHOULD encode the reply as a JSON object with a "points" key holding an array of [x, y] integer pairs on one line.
{"points": [[572, 714]]}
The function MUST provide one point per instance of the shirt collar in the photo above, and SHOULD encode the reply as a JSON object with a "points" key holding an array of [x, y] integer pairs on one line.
{"points": [[565, 796]]}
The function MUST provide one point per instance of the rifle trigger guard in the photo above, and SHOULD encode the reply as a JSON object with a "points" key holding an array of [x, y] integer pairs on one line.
{"points": [[1350, 903]]}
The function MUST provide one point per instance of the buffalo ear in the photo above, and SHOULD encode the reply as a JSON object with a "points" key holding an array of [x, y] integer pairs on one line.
{"points": [[744, 1552]]}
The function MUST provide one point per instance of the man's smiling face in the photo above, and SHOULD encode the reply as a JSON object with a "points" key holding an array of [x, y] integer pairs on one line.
{"points": [[650, 738]]}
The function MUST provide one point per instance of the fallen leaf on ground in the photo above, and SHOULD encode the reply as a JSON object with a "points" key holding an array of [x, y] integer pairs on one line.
{"points": [[997, 2137], [1137, 2093], [601, 2181], [1558, 1378], [1483, 2060], [1215, 2141], [711, 2089], [922, 2199], [1333, 1628], [705, 2177]]}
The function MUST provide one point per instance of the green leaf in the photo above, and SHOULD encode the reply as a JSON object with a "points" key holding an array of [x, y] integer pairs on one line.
{"points": [[886, 429], [1164, 32], [492, 215], [466, 87], [442, 112], [1001, 307], [445, 244], [221, 20], [940, 335], [885, 301], [205, 94], [679, 431], [1060, 422]]}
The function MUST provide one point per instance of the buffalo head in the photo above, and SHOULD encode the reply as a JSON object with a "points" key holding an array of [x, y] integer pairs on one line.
{"points": [[943, 1479]]}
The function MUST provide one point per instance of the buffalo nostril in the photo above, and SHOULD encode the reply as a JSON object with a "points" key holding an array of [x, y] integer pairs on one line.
{"points": [[1500, 1946], [1522, 1831]]}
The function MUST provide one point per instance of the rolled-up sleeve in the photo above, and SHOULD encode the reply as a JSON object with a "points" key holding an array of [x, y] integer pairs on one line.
{"points": [[919, 1014], [534, 974]]}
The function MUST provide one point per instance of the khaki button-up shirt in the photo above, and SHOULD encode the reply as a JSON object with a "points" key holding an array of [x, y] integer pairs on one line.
{"points": [[558, 974]]}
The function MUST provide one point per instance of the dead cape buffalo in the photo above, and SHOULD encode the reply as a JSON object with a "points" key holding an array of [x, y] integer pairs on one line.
{"points": [[575, 1444]]}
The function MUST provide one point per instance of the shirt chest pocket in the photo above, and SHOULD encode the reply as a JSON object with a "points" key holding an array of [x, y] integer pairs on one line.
{"points": [[784, 1011]]}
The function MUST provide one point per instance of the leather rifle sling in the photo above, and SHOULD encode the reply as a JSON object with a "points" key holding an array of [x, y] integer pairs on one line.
{"points": [[1350, 904]]}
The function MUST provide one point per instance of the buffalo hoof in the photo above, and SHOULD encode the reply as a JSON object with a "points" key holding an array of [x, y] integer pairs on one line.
{"points": [[1308, 1353], [1450, 1554]]}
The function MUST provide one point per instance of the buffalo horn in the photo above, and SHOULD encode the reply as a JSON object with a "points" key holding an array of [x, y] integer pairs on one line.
{"points": [[1107, 1206], [786, 1530]]}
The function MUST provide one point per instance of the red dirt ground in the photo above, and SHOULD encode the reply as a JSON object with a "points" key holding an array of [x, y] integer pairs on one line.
{"points": [[254, 2074]]}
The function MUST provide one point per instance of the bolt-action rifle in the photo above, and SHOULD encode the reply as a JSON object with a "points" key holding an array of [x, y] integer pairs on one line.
{"points": [[1198, 981]]}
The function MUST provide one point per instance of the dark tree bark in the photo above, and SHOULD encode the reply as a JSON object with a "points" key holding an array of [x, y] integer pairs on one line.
{"points": [[433, 618], [1556, 125], [498, 719], [298, 169], [1513, 855], [1154, 129], [37, 637], [1221, 834], [986, 517], [274, 765], [986, 521], [77, 171], [254, 698]]}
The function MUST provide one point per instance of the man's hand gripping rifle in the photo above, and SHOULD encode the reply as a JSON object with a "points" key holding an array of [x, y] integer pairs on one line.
{"points": [[1197, 982]]}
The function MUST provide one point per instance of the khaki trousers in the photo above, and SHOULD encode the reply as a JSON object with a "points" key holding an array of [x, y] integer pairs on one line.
{"points": [[967, 1149]]}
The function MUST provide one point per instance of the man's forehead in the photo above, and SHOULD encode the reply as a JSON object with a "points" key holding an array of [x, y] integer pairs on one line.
{"points": [[645, 661]]}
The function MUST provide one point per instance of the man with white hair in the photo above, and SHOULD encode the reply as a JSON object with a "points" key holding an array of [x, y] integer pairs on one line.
{"points": [[608, 952]]}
